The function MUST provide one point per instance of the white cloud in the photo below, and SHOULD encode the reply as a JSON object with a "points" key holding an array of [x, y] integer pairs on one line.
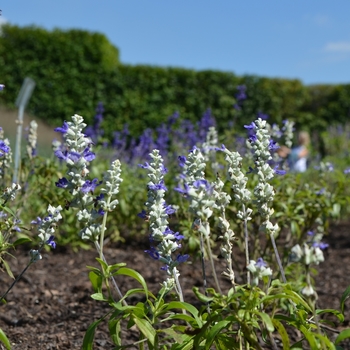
{"points": [[3, 20], [339, 46]]}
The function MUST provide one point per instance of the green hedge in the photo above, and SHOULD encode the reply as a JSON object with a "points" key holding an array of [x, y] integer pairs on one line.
{"points": [[75, 69]]}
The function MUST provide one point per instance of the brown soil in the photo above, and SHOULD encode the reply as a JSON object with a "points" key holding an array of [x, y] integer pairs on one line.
{"points": [[51, 308]]}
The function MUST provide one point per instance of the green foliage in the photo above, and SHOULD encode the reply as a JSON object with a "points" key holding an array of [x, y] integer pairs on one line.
{"points": [[76, 69], [66, 66]]}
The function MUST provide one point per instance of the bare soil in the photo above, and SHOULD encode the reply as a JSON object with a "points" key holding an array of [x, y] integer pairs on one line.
{"points": [[51, 307]]}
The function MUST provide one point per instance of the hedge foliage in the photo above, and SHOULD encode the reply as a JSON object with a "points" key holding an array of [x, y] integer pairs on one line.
{"points": [[75, 69]]}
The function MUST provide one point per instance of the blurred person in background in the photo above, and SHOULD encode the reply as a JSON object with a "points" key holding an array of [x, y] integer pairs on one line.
{"points": [[297, 157]]}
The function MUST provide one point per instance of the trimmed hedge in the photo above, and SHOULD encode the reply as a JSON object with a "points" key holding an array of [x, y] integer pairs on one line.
{"points": [[75, 69]]}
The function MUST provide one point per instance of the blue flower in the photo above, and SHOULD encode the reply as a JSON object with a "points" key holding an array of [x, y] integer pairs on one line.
{"points": [[202, 182], [260, 263], [279, 171], [3, 147], [182, 258], [62, 183], [182, 161], [74, 156], [321, 245], [153, 253], [51, 242], [63, 129], [251, 126], [143, 215], [168, 209], [158, 187], [2, 86], [89, 186], [321, 191], [273, 145], [88, 155], [37, 221]]}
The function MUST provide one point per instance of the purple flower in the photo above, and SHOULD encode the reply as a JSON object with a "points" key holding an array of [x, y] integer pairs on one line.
{"points": [[273, 146], [37, 221], [74, 156], [262, 116], [251, 170], [3, 147], [62, 183], [143, 215], [145, 165], [222, 148], [310, 233], [153, 253], [63, 129], [202, 182], [2, 86], [347, 171], [51, 242], [250, 126], [101, 212], [260, 263], [252, 138], [279, 171], [168, 209], [157, 187], [321, 191], [100, 197], [240, 96], [89, 186], [321, 245], [88, 155], [181, 160], [182, 258], [184, 191]]}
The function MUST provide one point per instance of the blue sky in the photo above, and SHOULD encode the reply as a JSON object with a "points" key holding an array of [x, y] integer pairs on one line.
{"points": [[304, 39]]}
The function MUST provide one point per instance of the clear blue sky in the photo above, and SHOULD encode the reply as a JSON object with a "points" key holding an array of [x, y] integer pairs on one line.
{"points": [[304, 39]]}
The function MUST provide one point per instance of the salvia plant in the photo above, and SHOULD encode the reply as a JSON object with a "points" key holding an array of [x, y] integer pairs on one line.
{"points": [[242, 201]]}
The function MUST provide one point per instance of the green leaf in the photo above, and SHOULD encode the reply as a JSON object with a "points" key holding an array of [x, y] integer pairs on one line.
{"points": [[336, 313], [98, 296], [7, 268], [114, 331], [21, 241], [188, 307], [309, 336], [146, 328], [176, 336], [134, 274], [343, 299], [282, 332], [214, 331], [267, 320], [345, 334], [5, 340], [103, 264], [90, 334], [203, 298], [96, 281]]}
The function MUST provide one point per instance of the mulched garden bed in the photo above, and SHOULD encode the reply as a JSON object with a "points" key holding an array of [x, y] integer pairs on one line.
{"points": [[51, 308]]}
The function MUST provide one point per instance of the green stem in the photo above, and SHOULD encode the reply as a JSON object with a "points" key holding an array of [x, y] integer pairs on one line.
{"points": [[103, 228], [207, 238], [278, 258], [246, 243], [203, 269], [15, 281], [120, 295]]}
